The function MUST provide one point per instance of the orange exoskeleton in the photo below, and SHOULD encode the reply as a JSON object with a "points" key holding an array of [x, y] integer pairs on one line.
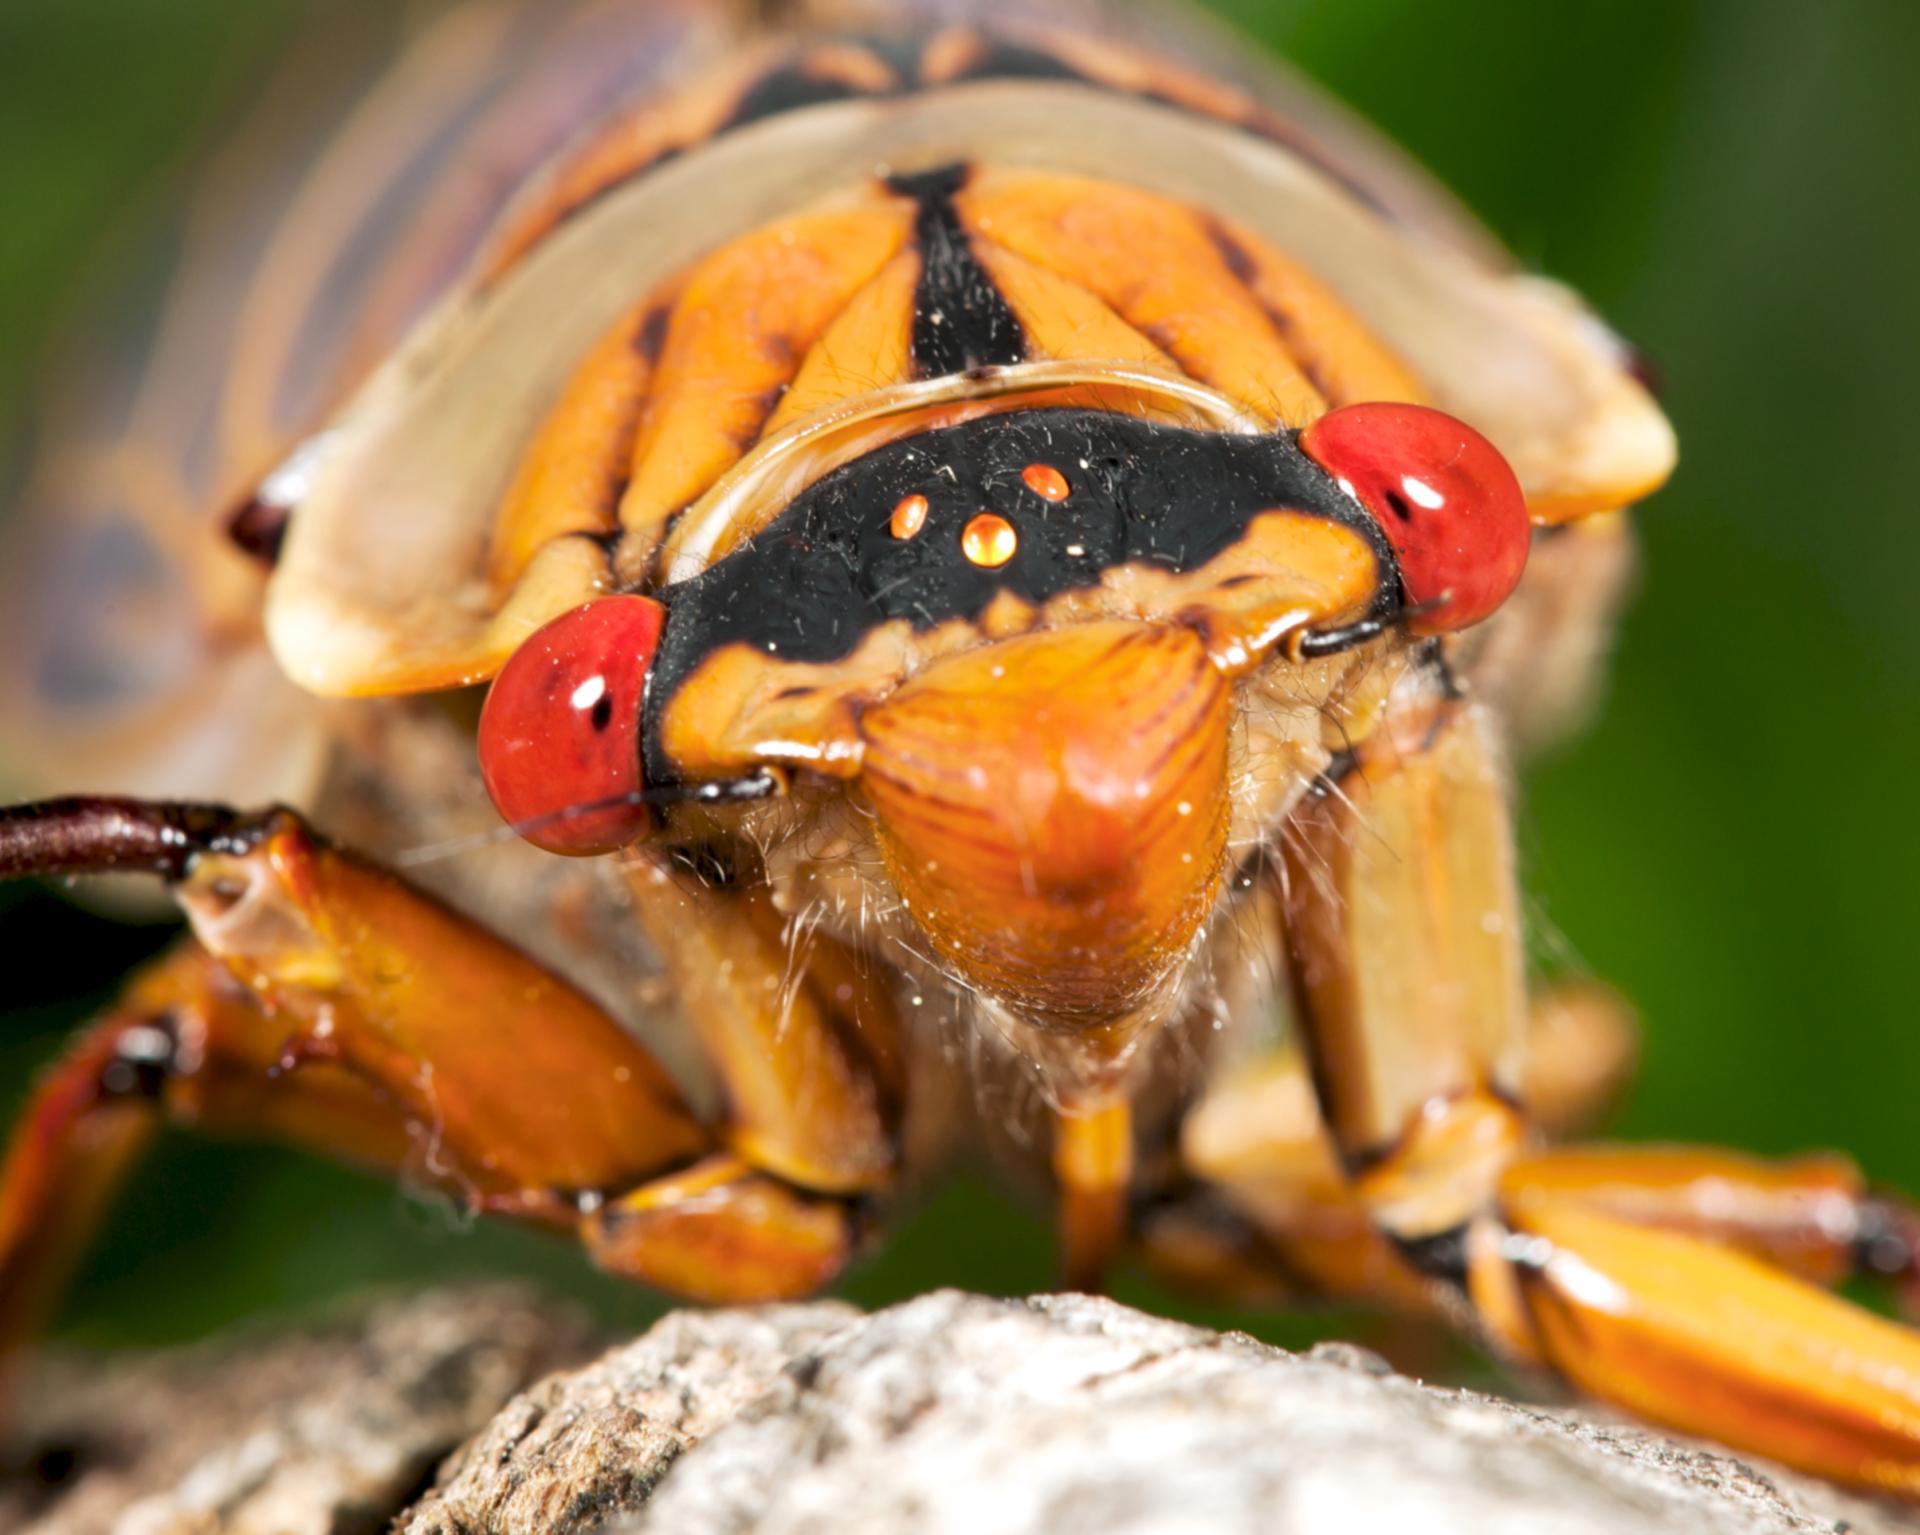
{"points": [[974, 533]]}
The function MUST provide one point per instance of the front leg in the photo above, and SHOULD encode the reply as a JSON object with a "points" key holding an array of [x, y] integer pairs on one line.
{"points": [[326, 1002], [1667, 1282], [1261, 1209], [1402, 918]]}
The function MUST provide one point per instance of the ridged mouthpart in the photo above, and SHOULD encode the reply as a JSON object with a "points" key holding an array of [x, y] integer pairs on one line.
{"points": [[1053, 809]]}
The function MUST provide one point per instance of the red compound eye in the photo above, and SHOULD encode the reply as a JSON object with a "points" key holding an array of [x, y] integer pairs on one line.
{"points": [[561, 728], [1445, 496]]}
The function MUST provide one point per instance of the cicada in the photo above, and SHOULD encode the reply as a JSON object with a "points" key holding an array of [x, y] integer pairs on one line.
{"points": [[788, 591]]}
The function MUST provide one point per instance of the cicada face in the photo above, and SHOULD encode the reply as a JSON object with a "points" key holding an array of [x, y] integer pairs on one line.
{"points": [[980, 473], [1018, 639]]}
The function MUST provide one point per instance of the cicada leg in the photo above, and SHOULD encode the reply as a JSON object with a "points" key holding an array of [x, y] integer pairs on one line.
{"points": [[327, 1002], [1675, 1284], [186, 1043], [1684, 1284], [1093, 1168], [1262, 1212], [1403, 924], [802, 1036]]}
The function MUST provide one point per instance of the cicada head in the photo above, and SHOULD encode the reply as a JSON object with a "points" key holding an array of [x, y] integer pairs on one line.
{"points": [[1053, 810], [1018, 632]]}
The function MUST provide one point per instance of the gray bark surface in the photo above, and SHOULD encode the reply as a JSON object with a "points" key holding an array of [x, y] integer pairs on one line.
{"points": [[327, 1430], [951, 1413]]}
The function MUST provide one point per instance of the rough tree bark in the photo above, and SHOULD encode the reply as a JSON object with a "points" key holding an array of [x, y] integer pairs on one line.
{"points": [[950, 1413]]}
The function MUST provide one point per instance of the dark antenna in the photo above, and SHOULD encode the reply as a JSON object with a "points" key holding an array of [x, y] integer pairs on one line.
{"points": [[99, 835]]}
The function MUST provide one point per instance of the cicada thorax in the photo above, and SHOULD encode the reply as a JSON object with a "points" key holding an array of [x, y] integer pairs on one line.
{"points": [[901, 308], [810, 173]]}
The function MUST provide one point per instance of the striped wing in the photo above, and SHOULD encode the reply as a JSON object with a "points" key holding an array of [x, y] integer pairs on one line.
{"points": [[317, 231]]}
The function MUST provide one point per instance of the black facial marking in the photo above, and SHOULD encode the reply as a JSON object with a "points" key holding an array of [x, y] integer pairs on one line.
{"points": [[960, 319], [1397, 504], [828, 570], [602, 715]]}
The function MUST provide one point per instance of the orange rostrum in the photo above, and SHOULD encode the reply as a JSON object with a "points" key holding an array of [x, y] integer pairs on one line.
{"points": [[1053, 809]]}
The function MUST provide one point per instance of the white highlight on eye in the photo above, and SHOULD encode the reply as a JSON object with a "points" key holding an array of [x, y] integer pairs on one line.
{"points": [[1420, 493], [589, 693]]}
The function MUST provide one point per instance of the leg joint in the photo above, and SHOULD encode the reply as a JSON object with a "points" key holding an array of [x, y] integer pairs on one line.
{"points": [[146, 1057]]}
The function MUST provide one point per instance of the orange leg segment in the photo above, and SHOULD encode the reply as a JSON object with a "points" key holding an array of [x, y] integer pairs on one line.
{"points": [[1682, 1285], [1271, 1215], [67, 1158], [186, 1043], [1403, 922], [1093, 1164], [1671, 1282], [325, 1002]]}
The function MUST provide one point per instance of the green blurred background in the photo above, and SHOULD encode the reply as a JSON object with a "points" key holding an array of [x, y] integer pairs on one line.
{"points": [[1734, 844]]}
